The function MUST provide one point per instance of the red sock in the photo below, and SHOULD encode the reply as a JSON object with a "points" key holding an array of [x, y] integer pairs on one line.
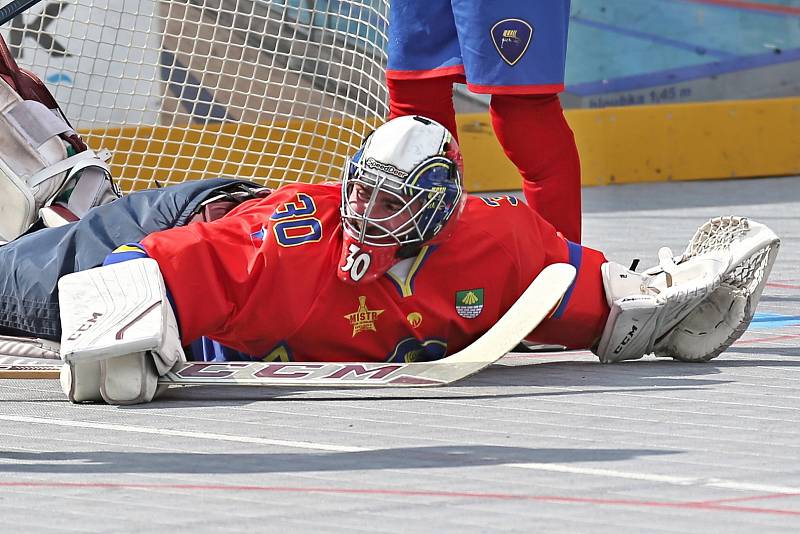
{"points": [[538, 140], [429, 97]]}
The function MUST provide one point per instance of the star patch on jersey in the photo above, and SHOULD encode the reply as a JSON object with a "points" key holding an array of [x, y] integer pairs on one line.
{"points": [[469, 303], [511, 38], [363, 319]]}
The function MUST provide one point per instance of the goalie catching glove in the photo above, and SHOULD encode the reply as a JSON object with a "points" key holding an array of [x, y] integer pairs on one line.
{"points": [[692, 307], [119, 333]]}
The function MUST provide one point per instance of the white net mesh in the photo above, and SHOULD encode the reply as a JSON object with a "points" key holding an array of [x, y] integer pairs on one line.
{"points": [[752, 245], [274, 91]]}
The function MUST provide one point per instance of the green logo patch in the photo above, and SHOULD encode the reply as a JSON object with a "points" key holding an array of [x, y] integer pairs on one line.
{"points": [[469, 303]]}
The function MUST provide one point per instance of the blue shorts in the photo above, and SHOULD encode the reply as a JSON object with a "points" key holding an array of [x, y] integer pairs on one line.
{"points": [[495, 46]]}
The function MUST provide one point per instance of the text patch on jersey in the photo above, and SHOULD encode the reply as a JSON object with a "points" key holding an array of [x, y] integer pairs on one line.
{"points": [[511, 38], [469, 303], [363, 319]]}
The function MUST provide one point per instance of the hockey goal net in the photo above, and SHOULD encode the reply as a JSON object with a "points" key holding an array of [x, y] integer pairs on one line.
{"points": [[270, 90]]}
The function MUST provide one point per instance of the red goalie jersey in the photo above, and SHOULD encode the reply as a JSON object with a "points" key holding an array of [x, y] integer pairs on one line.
{"points": [[263, 280]]}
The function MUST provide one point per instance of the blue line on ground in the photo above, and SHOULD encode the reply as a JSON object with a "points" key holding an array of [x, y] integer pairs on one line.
{"points": [[196, 100], [654, 38], [774, 320], [780, 12], [683, 74]]}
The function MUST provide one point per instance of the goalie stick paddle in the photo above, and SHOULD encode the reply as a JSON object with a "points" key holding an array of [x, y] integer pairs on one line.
{"points": [[12, 9], [532, 307]]}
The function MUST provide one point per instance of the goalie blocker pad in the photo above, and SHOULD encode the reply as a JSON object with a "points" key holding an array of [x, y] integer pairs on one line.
{"points": [[119, 332], [129, 379]]}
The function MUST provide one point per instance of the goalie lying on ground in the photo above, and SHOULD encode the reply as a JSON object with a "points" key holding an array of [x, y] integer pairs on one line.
{"points": [[396, 263]]}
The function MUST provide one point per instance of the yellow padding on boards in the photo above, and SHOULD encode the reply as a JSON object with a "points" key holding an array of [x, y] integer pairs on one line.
{"points": [[742, 138], [707, 140], [294, 150]]}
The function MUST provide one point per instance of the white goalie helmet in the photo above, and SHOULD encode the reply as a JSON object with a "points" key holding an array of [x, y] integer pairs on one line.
{"points": [[402, 189]]}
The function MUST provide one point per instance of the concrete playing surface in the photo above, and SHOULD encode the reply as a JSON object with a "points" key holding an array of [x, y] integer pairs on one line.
{"points": [[539, 442]]}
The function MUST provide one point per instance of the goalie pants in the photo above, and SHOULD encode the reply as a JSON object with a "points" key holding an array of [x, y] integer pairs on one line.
{"points": [[33, 263]]}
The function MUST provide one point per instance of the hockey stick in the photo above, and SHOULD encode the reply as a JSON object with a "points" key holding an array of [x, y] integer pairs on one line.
{"points": [[12, 9], [532, 307], [21, 371]]}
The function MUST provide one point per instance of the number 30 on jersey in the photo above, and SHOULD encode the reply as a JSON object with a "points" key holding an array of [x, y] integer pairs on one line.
{"points": [[295, 224], [357, 263]]}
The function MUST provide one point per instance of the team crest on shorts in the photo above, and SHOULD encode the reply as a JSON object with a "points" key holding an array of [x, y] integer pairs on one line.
{"points": [[469, 303], [511, 38]]}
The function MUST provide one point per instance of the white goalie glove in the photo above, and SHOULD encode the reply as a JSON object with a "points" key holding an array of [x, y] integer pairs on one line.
{"points": [[694, 306], [119, 333]]}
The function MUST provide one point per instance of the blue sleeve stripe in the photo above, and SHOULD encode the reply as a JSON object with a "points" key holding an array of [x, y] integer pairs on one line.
{"points": [[575, 257], [135, 251], [129, 251]]}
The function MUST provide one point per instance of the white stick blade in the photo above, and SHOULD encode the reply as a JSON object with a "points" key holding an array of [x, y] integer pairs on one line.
{"points": [[532, 307]]}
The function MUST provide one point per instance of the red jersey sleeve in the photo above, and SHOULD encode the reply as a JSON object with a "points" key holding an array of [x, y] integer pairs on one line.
{"points": [[209, 267], [532, 243]]}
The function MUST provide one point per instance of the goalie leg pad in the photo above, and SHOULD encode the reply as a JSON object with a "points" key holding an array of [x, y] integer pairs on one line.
{"points": [[24, 153], [28, 347], [34, 163]]}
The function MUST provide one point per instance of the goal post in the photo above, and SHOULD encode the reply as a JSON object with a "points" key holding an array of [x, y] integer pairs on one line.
{"points": [[275, 91]]}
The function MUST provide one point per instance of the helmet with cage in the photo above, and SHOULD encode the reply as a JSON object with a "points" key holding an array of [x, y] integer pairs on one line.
{"points": [[401, 190]]}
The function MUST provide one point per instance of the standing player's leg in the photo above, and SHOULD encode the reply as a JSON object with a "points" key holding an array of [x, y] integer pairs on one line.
{"points": [[429, 97], [536, 137], [424, 61], [516, 51]]}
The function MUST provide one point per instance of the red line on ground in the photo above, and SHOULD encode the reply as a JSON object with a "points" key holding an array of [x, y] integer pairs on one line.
{"points": [[770, 511], [567, 354], [752, 6], [698, 505], [752, 498], [782, 286], [766, 339]]}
